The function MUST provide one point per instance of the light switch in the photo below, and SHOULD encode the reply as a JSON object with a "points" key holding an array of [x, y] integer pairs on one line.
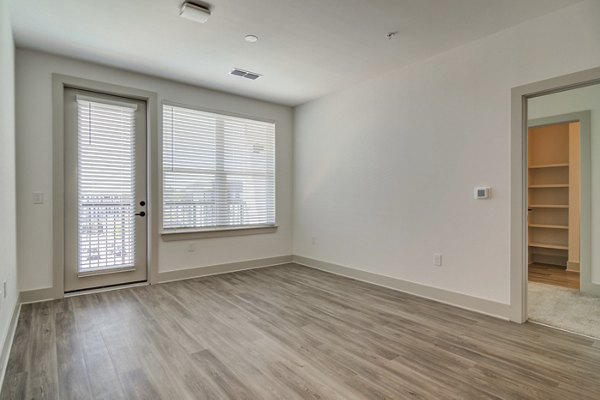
{"points": [[38, 198]]}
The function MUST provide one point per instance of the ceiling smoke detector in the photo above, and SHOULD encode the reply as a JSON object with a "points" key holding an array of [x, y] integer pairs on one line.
{"points": [[245, 74], [194, 12]]}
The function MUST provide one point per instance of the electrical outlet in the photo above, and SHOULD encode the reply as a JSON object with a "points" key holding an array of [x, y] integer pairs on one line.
{"points": [[38, 198], [313, 240], [192, 248], [437, 260]]}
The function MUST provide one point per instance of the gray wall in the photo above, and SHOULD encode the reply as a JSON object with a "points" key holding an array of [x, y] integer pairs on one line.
{"points": [[8, 230]]}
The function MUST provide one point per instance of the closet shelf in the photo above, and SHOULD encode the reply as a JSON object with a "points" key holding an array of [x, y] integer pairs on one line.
{"points": [[548, 226], [549, 246], [561, 165], [560, 185], [549, 206]]}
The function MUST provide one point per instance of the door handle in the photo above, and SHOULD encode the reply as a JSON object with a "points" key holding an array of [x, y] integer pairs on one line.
{"points": [[141, 214]]}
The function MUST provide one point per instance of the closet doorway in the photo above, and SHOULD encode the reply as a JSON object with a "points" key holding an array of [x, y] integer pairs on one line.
{"points": [[554, 200], [562, 281]]}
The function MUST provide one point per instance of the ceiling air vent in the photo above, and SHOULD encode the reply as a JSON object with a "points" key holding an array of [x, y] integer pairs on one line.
{"points": [[245, 74], [195, 11]]}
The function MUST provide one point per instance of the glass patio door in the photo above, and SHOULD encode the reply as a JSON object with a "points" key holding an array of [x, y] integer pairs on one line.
{"points": [[105, 190]]}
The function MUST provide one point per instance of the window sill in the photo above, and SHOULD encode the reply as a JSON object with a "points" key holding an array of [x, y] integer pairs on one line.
{"points": [[184, 234]]}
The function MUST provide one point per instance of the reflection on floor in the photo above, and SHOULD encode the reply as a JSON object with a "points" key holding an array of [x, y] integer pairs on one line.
{"points": [[553, 275]]}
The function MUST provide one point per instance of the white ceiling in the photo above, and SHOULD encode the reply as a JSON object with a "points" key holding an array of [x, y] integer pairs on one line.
{"points": [[307, 48]]}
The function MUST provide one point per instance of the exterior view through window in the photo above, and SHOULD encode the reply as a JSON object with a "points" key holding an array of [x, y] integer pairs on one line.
{"points": [[106, 185], [218, 171]]}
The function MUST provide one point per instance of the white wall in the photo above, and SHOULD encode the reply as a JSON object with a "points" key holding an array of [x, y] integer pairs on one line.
{"points": [[582, 99], [34, 166], [8, 229], [384, 171]]}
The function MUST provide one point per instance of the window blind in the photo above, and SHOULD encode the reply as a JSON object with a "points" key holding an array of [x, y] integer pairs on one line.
{"points": [[105, 185], [218, 170]]}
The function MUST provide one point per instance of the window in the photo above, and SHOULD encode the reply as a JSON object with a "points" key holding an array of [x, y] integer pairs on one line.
{"points": [[218, 171]]}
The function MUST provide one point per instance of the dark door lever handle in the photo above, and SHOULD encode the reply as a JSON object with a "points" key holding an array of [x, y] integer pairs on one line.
{"points": [[141, 214]]}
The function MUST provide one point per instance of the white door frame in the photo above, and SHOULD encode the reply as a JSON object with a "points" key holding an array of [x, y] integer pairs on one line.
{"points": [[518, 179], [59, 83], [75, 279]]}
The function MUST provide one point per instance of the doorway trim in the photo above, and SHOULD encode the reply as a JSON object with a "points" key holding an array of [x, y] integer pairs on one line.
{"points": [[518, 179], [59, 83]]}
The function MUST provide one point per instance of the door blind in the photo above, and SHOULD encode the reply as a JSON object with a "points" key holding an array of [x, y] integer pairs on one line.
{"points": [[218, 170], [106, 185]]}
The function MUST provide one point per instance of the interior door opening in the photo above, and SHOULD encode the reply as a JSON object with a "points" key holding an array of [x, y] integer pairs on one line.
{"points": [[563, 281], [553, 206]]}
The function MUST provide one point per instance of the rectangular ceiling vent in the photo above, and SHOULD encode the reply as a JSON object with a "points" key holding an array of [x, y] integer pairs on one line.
{"points": [[194, 11], [245, 74]]}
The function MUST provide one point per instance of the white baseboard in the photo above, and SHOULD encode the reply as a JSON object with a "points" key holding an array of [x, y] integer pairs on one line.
{"points": [[468, 302], [37, 295], [7, 345], [218, 269], [471, 303]]}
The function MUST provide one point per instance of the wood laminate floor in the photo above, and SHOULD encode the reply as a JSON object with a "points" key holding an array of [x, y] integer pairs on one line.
{"points": [[553, 275], [286, 332]]}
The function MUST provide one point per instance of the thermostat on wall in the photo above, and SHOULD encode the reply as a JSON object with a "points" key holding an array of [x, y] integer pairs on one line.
{"points": [[482, 193]]}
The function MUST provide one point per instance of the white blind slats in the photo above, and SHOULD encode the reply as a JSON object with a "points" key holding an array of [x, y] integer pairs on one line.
{"points": [[106, 185], [218, 170]]}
